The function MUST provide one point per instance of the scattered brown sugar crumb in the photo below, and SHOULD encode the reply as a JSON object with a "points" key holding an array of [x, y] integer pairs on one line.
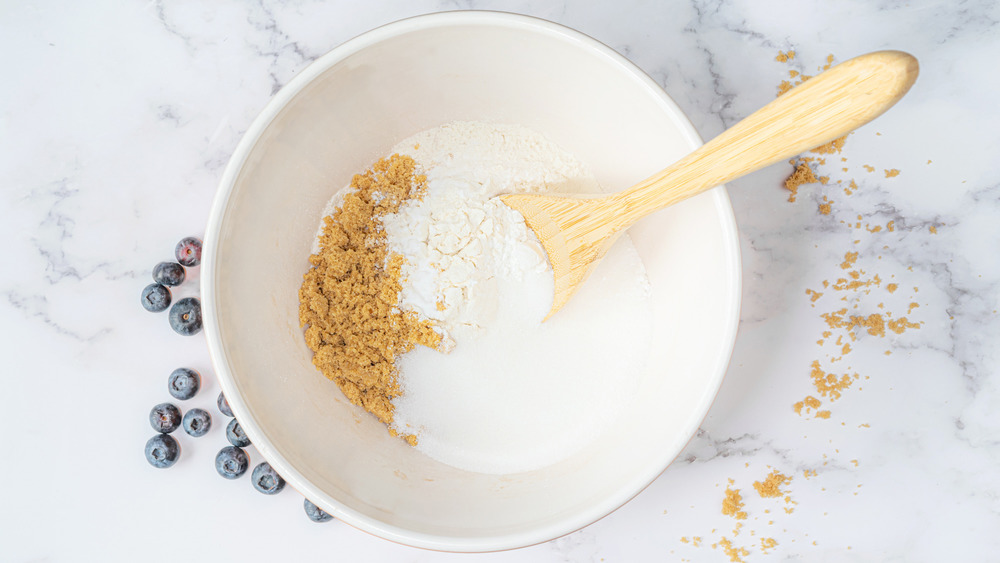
{"points": [[785, 57], [770, 487], [732, 505], [813, 295], [874, 322], [825, 208], [767, 543], [900, 325], [890, 226], [784, 87], [869, 168], [892, 287], [803, 174], [849, 259], [793, 73], [809, 402], [892, 173], [348, 298], [933, 230], [833, 147], [736, 554], [823, 414], [828, 384]]}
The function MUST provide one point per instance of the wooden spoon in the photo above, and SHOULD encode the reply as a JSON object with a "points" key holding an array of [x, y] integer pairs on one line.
{"points": [[577, 230]]}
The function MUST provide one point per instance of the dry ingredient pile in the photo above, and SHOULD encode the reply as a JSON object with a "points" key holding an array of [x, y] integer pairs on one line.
{"points": [[427, 294]]}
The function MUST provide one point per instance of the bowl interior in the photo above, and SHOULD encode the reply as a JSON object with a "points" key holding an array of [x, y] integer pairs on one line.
{"points": [[345, 112]]}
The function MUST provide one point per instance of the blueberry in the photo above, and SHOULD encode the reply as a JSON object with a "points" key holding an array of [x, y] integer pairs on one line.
{"points": [[315, 513], [155, 298], [266, 479], [236, 435], [231, 462], [168, 273], [183, 383], [197, 422], [165, 418], [188, 251], [224, 405], [162, 451], [185, 316]]}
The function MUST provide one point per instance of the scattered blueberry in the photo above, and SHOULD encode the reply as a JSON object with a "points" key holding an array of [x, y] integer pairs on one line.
{"points": [[266, 479], [165, 418], [197, 422], [315, 513], [185, 316], [155, 298], [188, 251], [162, 451], [236, 435], [168, 273], [231, 462], [183, 383], [224, 405]]}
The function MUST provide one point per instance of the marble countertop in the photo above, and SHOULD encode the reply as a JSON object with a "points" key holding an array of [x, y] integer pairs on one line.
{"points": [[116, 121]]}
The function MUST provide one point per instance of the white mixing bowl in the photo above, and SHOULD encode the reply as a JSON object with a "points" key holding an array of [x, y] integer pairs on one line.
{"points": [[335, 119]]}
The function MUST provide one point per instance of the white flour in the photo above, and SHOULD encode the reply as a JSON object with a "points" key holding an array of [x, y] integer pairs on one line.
{"points": [[514, 394]]}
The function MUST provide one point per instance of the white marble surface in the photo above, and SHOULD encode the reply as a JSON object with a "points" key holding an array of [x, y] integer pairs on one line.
{"points": [[116, 120]]}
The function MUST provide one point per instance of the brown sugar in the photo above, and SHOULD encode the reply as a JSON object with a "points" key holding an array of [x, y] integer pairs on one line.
{"points": [[771, 486], [808, 403], [785, 57], [892, 173], [736, 554], [803, 174], [833, 147], [828, 385], [732, 505], [849, 259], [348, 300]]}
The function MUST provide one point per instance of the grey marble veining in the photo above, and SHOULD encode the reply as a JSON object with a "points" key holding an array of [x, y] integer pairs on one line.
{"points": [[117, 121]]}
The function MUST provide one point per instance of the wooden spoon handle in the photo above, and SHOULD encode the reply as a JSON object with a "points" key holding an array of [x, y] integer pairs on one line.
{"points": [[825, 107]]}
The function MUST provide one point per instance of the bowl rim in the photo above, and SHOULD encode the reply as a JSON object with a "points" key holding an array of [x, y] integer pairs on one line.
{"points": [[220, 358]]}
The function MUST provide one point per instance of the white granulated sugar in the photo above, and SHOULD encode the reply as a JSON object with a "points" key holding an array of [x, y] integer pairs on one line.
{"points": [[514, 394]]}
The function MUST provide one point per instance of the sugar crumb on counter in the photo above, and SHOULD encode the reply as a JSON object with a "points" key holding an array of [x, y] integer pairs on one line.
{"points": [[803, 174]]}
